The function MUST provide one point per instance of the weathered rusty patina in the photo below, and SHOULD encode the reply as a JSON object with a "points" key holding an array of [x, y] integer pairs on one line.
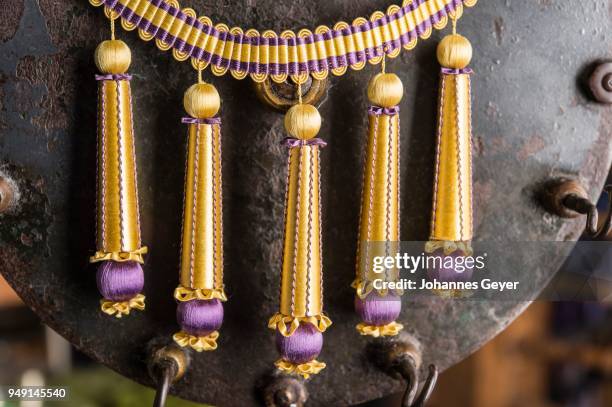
{"points": [[533, 120]]}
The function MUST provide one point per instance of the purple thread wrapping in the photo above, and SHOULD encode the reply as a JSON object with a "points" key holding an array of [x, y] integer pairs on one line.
{"points": [[376, 310], [114, 77], [193, 120], [317, 65], [200, 317], [303, 346], [389, 111], [119, 280], [451, 71], [450, 274], [294, 142]]}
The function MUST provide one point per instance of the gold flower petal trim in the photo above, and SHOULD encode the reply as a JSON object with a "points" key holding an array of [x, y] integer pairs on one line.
{"points": [[304, 369], [391, 329], [287, 325], [197, 343], [135, 255], [448, 247], [122, 308], [187, 294], [364, 288]]}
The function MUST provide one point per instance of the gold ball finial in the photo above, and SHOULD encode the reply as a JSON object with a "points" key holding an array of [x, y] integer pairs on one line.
{"points": [[303, 121], [454, 51], [113, 57], [385, 90], [202, 101]]}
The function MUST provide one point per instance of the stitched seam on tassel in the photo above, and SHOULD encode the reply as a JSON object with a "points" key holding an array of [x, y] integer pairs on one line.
{"points": [[317, 150], [438, 153], [398, 180], [364, 152], [119, 159], [214, 202], [471, 146], [280, 289], [458, 141], [370, 201], [297, 229], [388, 203], [309, 235], [194, 207], [220, 199], [102, 154], [135, 166], [183, 212]]}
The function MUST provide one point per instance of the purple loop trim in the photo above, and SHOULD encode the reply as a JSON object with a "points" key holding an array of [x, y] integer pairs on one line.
{"points": [[294, 142], [377, 110], [193, 120], [114, 77], [451, 71]]}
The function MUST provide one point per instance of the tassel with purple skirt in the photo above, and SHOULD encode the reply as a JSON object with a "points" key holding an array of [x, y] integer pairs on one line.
{"points": [[119, 252], [200, 312], [380, 210]]}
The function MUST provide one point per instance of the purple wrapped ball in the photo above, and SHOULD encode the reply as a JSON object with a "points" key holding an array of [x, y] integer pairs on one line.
{"points": [[376, 310], [200, 317], [119, 280], [303, 346], [451, 270]]}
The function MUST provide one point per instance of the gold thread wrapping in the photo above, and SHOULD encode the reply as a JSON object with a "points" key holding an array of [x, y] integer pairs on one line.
{"points": [[118, 228], [301, 291], [452, 205], [379, 221], [201, 273]]}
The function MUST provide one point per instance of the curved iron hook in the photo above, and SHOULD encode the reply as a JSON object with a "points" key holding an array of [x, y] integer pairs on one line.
{"points": [[584, 206], [408, 370]]}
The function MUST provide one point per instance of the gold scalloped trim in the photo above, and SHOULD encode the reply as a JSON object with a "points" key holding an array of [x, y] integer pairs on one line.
{"points": [[197, 343], [187, 294], [287, 325], [119, 309], [364, 288], [135, 255], [449, 247], [390, 329], [305, 369], [368, 39]]}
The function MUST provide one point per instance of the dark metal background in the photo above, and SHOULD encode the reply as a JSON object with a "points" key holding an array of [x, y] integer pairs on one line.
{"points": [[533, 120]]}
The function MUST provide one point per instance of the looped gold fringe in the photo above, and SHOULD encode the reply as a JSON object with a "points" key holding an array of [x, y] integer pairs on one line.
{"points": [[187, 294], [449, 247], [135, 255], [304, 369], [287, 325], [122, 308], [390, 329], [364, 288], [197, 343]]}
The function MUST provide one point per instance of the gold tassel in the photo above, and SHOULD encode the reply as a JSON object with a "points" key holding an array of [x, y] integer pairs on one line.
{"points": [[201, 289], [300, 320], [119, 250], [380, 212]]}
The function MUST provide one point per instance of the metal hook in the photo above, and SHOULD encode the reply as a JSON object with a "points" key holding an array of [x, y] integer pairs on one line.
{"points": [[281, 390], [402, 355], [568, 199], [584, 206], [166, 365]]}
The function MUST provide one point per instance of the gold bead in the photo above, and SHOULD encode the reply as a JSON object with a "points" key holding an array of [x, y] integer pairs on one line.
{"points": [[385, 90], [202, 101], [303, 121], [113, 57], [454, 51]]}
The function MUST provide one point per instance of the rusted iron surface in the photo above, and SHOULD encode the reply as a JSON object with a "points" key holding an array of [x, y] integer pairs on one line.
{"points": [[534, 120]]}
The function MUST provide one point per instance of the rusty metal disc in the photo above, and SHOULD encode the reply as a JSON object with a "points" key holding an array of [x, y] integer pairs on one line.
{"points": [[534, 120]]}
